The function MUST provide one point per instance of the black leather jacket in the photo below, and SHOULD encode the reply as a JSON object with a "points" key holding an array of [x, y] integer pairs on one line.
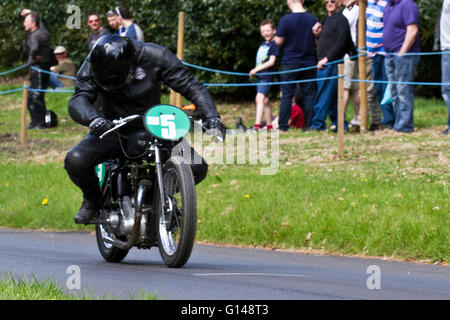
{"points": [[154, 64], [38, 47]]}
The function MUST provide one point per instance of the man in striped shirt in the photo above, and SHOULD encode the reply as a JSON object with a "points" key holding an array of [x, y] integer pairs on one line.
{"points": [[376, 50]]}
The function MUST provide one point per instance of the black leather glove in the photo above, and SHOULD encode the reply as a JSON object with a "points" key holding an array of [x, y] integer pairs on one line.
{"points": [[99, 126], [215, 127]]}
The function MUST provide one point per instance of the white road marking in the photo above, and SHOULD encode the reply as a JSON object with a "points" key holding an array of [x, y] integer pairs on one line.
{"points": [[251, 274]]}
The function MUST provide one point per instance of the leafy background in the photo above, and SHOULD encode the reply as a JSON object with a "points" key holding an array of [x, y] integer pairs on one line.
{"points": [[221, 34]]}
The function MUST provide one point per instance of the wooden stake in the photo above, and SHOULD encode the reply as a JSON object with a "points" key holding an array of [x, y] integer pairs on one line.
{"points": [[341, 110], [362, 65], [23, 120], [175, 98]]}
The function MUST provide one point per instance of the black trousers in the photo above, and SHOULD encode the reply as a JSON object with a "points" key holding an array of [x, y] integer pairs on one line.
{"points": [[81, 160], [36, 100]]}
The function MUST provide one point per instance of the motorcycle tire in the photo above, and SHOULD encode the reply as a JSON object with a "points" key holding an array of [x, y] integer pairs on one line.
{"points": [[107, 250], [175, 229]]}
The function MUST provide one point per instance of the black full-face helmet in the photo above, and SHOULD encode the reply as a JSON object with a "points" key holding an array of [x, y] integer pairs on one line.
{"points": [[112, 59]]}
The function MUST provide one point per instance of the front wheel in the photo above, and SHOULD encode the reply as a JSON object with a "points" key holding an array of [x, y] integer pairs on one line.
{"points": [[175, 228]]}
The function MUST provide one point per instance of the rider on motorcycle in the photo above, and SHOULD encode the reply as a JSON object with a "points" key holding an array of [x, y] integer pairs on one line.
{"points": [[119, 78]]}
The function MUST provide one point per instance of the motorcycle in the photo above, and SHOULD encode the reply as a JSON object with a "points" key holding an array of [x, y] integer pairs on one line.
{"points": [[149, 194]]}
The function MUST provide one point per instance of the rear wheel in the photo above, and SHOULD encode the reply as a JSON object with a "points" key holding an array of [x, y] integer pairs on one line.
{"points": [[175, 228]]}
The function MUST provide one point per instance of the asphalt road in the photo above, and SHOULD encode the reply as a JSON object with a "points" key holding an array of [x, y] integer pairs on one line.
{"points": [[217, 273]]}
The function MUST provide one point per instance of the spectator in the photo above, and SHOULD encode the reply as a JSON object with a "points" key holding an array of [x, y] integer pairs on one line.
{"points": [[65, 67], [95, 23], [296, 119], [265, 61], [351, 89], [24, 12], [351, 12], [129, 28], [442, 40], [294, 33], [401, 36], [113, 21], [334, 42], [377, 53], [41, 56]]}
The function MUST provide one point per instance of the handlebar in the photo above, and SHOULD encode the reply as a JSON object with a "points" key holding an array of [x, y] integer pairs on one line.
{"points": [[119, 123], [123, 121]]}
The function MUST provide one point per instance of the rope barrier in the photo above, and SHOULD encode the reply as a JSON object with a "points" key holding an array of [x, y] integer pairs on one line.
{"points": [[402, 82], [255, 84], [433, 53], [53, 90], [362, 52], [53, 73], [11, 91], [13, 70], [269, 83], [267, 73]]}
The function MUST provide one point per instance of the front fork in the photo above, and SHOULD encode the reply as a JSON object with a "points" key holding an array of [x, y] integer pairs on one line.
{"points": [[159, 176]]}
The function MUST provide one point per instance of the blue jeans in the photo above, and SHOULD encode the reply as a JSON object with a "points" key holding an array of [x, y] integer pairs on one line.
{"points": [[326, 103], [309, 94], [445, 65], [402, 69], [54, 82], [379, 73]]}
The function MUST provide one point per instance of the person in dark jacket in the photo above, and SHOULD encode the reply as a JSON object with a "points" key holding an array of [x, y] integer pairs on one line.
{"points": [[126, 75], [95, 23], [334, 42], [41, 56]]}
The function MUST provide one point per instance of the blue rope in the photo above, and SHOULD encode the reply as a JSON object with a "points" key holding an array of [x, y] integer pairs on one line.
{"points": [[267, 73], [13, 70], [52, 73], [54, 91], [11, 91], [267, 83], [434, 53], [400, 82]]}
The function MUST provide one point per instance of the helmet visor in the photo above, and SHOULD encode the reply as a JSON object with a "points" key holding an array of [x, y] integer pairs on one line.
{"points": [[114, 77]]}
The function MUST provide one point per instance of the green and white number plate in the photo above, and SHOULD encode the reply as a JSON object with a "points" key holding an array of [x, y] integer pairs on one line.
{"points": [[167, 122]]}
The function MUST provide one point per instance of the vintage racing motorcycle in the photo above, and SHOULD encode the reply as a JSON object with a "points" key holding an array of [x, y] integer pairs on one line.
{"points": [[149, 194]]}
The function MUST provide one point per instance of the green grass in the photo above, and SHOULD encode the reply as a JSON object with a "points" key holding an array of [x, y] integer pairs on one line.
{"points": [[389, 196], [13, 288]]}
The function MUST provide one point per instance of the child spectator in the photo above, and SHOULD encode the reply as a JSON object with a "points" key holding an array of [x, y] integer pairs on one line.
{"points": [[266, 58]]}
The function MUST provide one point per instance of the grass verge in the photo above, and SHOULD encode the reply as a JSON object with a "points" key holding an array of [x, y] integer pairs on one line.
{"points": [[389, 196], [13, 288]]}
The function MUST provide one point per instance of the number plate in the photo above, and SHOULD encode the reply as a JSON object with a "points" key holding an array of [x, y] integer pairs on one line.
{"points": [[166, 122]]}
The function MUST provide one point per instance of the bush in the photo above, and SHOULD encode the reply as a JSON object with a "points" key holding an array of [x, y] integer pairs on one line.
{"points": [[220, 34]]}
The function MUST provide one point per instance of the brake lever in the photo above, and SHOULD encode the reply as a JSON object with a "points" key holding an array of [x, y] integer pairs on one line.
{"points": [[217, 138], [119, 123]]}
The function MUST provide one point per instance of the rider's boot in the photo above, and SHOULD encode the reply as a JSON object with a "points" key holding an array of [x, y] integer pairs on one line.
{"points": [[87, 211]]}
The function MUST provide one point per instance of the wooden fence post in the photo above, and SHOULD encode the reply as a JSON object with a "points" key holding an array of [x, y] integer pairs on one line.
{"points": [[341, 110], [23, 120], [362, 65], [175, 98]]}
